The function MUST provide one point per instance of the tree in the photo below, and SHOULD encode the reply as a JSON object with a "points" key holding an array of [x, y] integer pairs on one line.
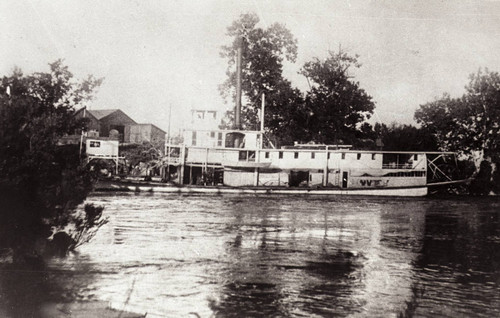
{"points": [[284, 113], [42, 182], [482, 101], [335, 104], [469, 124], [263, 54], [406, 138], [444, 118], [333, 108]]}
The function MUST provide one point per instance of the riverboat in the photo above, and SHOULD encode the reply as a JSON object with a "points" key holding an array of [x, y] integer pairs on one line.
{"points": [[234, 161], [302, 169]]}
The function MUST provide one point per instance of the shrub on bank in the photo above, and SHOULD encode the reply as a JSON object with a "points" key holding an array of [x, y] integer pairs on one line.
{"points": [[42, 182]]}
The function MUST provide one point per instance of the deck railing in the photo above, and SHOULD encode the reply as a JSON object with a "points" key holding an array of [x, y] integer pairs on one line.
{"points": [[173, 160], [397, 166]]}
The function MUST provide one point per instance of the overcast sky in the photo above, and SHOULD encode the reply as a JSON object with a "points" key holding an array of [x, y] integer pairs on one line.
{"points": [[153, 54]]}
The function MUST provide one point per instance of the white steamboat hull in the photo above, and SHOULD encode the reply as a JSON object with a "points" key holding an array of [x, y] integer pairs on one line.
{"points": [[159, 188]]}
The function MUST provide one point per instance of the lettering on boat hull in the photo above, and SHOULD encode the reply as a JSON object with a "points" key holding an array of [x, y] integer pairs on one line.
{"points": [[377, 183]]}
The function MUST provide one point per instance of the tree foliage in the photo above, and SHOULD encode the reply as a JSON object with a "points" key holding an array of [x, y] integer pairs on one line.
{"points": [[397, 137], [470, 123], [335, 103], [41, 182], [331, 111], [264, 51]]}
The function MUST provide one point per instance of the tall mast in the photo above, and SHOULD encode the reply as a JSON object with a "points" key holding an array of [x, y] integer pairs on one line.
{"points": [[262, 116], [237, 111], [169, 120]]}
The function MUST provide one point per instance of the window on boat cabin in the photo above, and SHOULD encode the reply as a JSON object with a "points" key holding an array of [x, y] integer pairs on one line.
{"points": [[373, 156], [397, 161], [343, 155], [174, 151], [328, 156], [243, 155], [212, 114], [296, 155], [231, 139], [406, 174], [280, 154], [95, 144], [200, 114], [415, 157], [212, 134], [267, 154], [219, 139], [359, 156], [313, 155], [193, 142]]}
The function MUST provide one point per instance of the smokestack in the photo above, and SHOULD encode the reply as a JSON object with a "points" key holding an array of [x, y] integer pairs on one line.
{"points": [[237, 111]]}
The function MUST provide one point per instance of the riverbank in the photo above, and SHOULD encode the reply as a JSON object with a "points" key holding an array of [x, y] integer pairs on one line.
{"points": [[84, 310]]}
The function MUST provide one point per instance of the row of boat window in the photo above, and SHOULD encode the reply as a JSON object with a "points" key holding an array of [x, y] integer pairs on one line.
{"points": [[389, 160], [406, 174], [313, 155]]}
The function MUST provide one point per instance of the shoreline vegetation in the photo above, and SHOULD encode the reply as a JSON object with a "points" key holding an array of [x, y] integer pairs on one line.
{"points": [[43, 183]]}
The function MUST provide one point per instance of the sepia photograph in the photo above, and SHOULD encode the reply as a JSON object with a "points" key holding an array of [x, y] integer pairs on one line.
{"points": [[254, 158]]}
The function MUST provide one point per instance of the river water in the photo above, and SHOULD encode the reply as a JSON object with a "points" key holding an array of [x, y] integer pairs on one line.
{"points": [[285, 256]]}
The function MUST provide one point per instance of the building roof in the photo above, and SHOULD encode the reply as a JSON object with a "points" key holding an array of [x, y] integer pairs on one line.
{"points": [[152, 125], [101, 113]]}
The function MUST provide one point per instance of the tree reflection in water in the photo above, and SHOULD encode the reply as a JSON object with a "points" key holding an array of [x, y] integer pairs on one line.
{"points": [[460, 259], [23, 290], [32, 290], [274, 270], [331, 285]]}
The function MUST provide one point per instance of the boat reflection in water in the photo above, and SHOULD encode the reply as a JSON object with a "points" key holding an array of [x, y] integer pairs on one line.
{"points": [[228, 256], [325, 261]]}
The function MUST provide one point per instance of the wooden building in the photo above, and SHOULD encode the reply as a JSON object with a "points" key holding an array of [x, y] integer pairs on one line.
{"points": [[115, 124], [107, 123]]}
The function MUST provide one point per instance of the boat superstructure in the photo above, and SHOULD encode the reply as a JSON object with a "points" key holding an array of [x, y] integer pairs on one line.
{"points": [[211, 158]]}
